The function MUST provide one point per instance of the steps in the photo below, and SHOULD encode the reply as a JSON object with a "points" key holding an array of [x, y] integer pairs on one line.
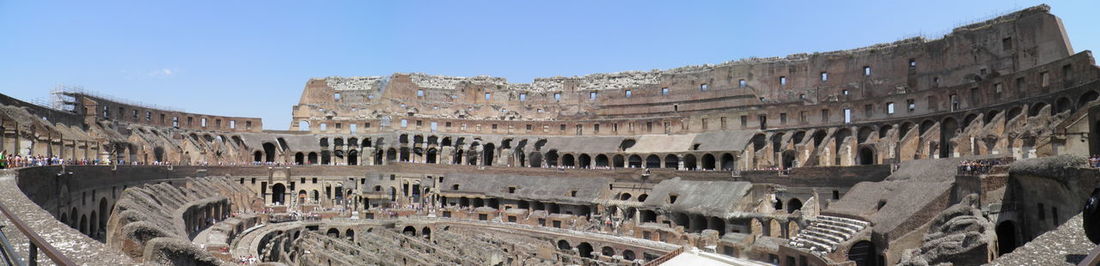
{"points": [[826, 232]]}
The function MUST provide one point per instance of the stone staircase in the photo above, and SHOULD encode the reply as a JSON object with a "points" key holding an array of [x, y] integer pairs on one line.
{"points": [[826, 232]]}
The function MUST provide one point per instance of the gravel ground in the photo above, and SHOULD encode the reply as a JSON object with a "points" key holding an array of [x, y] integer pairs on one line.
{"points": [[73, 244], [1066, 245]]}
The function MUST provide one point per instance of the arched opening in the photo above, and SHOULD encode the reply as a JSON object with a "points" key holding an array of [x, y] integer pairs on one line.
{"points": [[1087, 98], [269, 152], [567, 160], [564, 245], [947, 133], [409, 231], [727, 162], [635, 161], [432, 156], [681, 219], [488, 154], [708, 162], [1036, 108], [299, 158], [717, 224], [618, 161], [333, 233], [404, 154], [866, 156], [535, 159], [778, 204], [689, 162], [625, 196], [1006, 237], [311, 158], [92, 226], [277, 192], [601, 161], [585, 250], [349, 234], [863, 254], [257, 156], [584, 161], [698, 223], [326, 157], [629, 255], [103, 214], [864, 134], [607, 251], [652, 161], [426, 232], [1062, 105], [648, 216], [788, 159], [793, 205], [353, 157], [158, 154], [84, 224]]}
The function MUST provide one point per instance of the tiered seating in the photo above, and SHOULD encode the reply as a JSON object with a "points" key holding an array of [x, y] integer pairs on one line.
{"points": [[824, 234]]}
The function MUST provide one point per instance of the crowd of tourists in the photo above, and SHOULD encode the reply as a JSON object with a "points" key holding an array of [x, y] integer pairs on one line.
{"points": [[979, 167], [1094, 161], [16, 161]]}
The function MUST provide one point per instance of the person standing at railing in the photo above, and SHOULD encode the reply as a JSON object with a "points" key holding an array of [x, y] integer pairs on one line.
{"points": [[3, 159]]}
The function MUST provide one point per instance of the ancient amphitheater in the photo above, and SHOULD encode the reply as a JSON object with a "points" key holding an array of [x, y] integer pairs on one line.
{"points": [[968, 149]]}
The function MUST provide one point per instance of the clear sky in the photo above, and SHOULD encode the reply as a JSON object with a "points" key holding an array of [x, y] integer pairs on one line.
{"points": [[252, 58]]}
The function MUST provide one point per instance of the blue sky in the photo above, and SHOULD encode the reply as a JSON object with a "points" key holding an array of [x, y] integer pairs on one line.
{"points": [[252, 58]]}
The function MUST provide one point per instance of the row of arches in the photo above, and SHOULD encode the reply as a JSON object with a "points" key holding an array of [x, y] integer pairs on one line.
{"points": [[686, 161], [586, 250]]}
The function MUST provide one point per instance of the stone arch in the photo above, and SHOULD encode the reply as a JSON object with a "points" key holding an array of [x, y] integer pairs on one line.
{"points": [[863, 253], [948, 130], [607, 251], [326, 157], [349, 234], [717, 224], [618, 161], [333, 233], [727, 162], [635, 161], [968, 120], [585, 250], [681, 219], [792, 228], [552, 158], [819, 137], [1086, 98], [299, 158], [104, 214], [1013, 113], [426, 232], [1006, 237], [708, 161], [601, 161], [83, 224], [788, 159], [794, 205], [535, 159], [1036, 108], [654, 161], [988, 118], [568, 160], [353, 157], [758, 142], [409, 231], [432, 156], [866, 155], [311, 158], [488, 154], [584, 161], [1063, 104], [864, 133], [629, 255], [884, 130], [926, 125], [278, 190], [690, 162], [564, 245]]}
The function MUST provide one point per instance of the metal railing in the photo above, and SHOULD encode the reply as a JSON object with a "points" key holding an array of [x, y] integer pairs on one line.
{"points": [[36, 242]]}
